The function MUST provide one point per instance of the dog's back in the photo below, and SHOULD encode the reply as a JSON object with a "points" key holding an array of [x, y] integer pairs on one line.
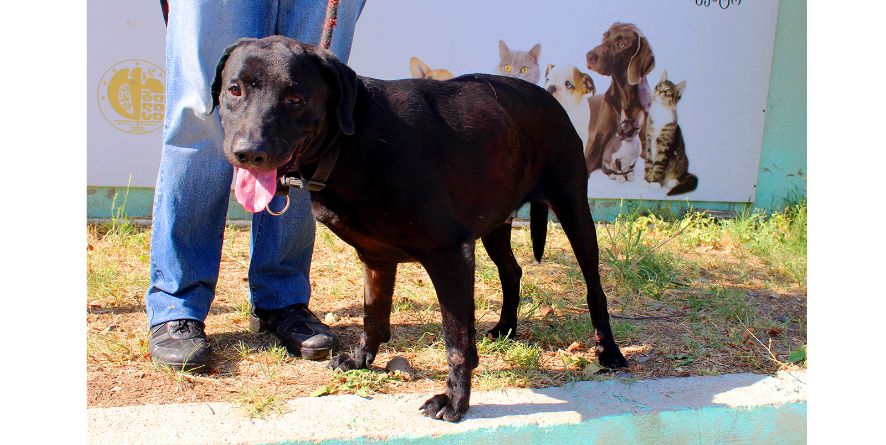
{"points": [[483, 139]]}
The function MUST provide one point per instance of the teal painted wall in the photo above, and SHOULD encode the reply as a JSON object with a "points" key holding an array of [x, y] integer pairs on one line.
{"points": [[782, 174]]}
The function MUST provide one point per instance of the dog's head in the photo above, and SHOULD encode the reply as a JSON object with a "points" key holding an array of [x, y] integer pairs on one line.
{"points": [[568, 84], [625, 50], [421, 70], [279, 101]]}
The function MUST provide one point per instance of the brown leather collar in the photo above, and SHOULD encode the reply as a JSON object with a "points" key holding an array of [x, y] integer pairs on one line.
{"points": [[321, 174]]}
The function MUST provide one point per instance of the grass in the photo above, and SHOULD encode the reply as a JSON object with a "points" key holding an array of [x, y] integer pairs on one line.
{"points": [[689, 294], [257, 401], [362, 382]]}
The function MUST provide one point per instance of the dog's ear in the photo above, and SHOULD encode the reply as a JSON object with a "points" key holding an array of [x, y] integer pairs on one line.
{"points": [[418, 69], [535, 51], [680, 88], [548, 69], [344, 84], [217, 81], [586, 82], [642, 61]]}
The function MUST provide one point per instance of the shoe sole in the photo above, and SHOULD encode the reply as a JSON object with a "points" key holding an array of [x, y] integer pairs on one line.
{"points": [[257, 325]]}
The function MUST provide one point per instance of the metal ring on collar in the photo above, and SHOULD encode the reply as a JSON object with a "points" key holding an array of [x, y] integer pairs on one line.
{"points": [[285, 208]]}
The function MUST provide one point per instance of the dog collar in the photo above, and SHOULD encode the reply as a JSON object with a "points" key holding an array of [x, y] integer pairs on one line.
{"points": [[321, 175]]}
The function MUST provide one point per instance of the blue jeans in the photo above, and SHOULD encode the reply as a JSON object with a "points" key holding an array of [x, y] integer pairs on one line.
{"points": [[194, 182]]}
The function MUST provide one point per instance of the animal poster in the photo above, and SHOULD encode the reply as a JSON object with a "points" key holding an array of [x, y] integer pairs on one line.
{"points": [[668, 96]]}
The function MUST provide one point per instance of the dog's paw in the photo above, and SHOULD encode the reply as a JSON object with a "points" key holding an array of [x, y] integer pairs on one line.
{"points": [[440, 407], [502, 331], [343, 362], [611, 358]]}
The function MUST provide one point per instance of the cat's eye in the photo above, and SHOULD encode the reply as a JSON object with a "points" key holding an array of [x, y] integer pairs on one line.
{"points": [[524, 70], [507, 68], [569, 85]]}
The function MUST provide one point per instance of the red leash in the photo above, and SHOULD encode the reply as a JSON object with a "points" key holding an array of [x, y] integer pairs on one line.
{"points": [[329, 24]]}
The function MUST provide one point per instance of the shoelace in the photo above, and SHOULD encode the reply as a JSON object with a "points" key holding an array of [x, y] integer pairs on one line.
{"points": [[184, 326]]}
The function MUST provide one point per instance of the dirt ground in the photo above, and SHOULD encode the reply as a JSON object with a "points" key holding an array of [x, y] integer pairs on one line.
{"points": [[694, 301]]}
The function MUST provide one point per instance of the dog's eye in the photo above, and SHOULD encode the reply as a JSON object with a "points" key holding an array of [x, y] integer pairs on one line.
{"points": [[235, 89], [524, 70], [507, 68], [292, 99], [569, 85]]}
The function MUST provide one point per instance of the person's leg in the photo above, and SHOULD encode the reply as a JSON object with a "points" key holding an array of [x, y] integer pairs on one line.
{"points": [[193, 184], [282, 245]]}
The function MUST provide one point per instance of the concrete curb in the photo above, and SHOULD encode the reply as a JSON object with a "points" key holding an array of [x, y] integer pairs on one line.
{"points": [[735, 408]]}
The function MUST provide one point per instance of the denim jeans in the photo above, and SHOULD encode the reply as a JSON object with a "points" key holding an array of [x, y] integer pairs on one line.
{"points": [[194, 182]]}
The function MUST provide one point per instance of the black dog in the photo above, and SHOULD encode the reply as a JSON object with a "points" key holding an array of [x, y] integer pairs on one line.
{"points": [[422, 168]]}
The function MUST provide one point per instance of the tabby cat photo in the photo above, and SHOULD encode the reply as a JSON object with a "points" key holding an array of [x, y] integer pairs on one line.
{"points": [[666, 162]]}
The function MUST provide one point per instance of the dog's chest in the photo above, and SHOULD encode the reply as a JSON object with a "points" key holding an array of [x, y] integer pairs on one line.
{"points": [[368, 242]]}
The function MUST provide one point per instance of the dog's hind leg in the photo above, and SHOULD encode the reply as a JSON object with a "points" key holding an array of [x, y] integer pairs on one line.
{"points": [[378, 291], [498, 246], [452, 272], [570, 204]]}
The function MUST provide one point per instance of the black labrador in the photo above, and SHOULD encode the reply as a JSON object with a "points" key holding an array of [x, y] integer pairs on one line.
{"points": [[411, 170]]}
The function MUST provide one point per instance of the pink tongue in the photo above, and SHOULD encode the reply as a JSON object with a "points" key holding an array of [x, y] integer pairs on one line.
{"points": [[254, 189]]}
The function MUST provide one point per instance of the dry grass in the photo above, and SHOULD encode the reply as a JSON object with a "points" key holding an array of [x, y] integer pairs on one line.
{"points": [[684, 296]]}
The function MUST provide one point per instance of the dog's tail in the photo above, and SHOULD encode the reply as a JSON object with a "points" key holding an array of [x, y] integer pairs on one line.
{"points": [[538, 227], [686, 184]]}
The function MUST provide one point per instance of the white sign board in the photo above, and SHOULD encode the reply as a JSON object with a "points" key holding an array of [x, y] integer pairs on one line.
{"points": [[721, 49], [126, 78]]}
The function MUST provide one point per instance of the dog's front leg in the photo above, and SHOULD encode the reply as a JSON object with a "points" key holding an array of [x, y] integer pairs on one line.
{"points": [[452, 272], [378, 291]]}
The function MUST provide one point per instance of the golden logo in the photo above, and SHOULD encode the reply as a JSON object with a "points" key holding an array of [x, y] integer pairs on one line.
{"points": [[132, 96]]}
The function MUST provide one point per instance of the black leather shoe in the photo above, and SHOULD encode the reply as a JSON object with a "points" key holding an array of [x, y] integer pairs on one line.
{"points": [[180, 344], [298, 329]]}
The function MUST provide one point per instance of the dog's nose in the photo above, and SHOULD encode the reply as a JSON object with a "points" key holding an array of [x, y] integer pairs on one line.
{"points": [[248, 153], [593, 57], [552, 89]]}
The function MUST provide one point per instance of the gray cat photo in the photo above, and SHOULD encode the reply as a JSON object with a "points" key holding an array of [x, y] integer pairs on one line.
{"points": [[519, 64]]}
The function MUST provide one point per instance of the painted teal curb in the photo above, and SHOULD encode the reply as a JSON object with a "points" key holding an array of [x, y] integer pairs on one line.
{"points": [[775, 425]]}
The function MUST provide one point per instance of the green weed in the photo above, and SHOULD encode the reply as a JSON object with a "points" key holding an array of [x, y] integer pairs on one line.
{"points": [[362, 382], [259, 402]]}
